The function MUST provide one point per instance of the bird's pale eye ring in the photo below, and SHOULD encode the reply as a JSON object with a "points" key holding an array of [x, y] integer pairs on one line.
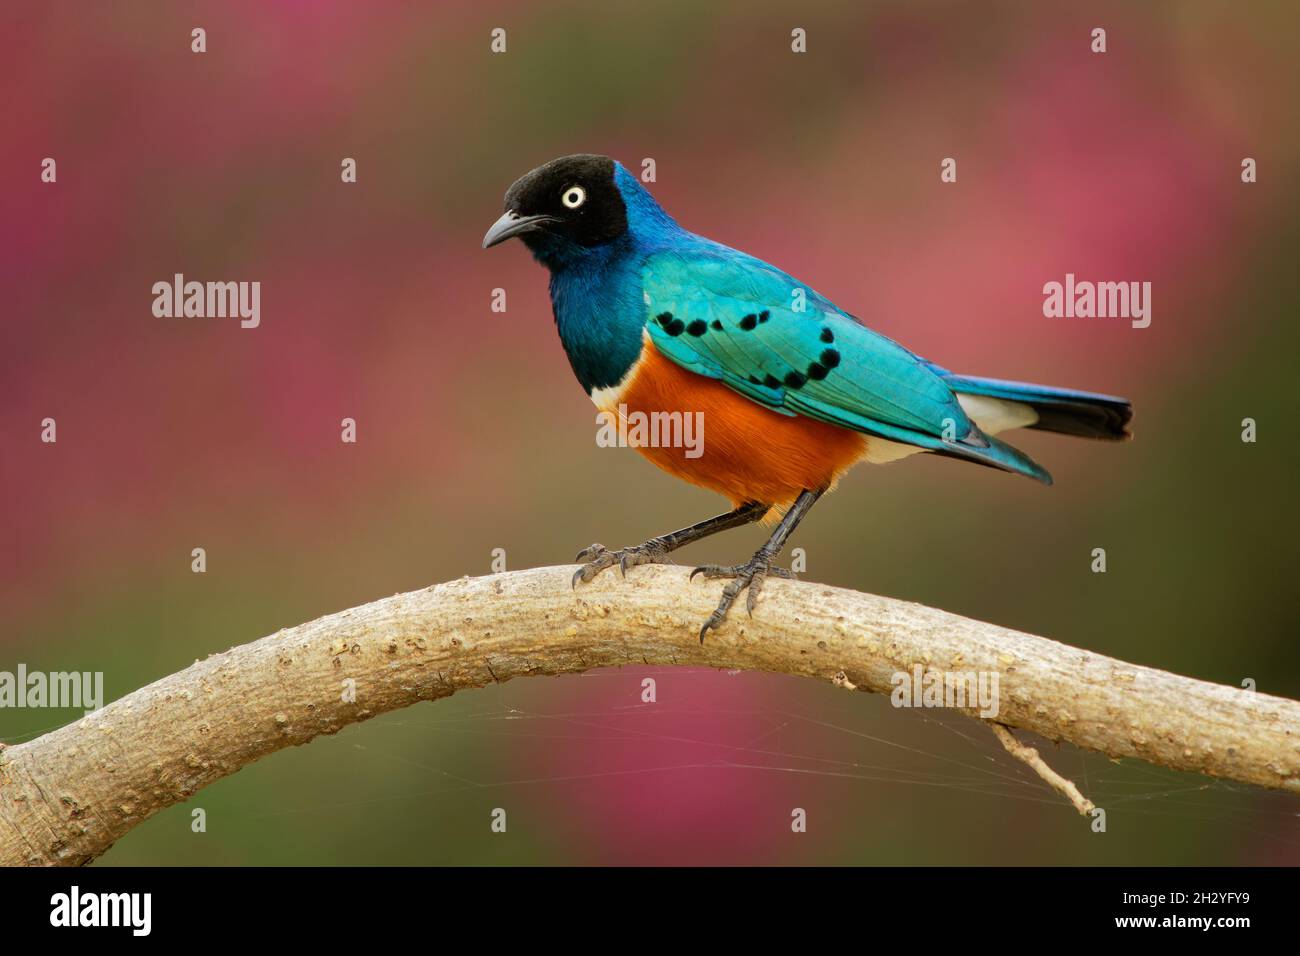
{"points": [[574, 197]]}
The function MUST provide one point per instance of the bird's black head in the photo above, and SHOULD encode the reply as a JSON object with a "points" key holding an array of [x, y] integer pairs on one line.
{"points": [[571, 201]]}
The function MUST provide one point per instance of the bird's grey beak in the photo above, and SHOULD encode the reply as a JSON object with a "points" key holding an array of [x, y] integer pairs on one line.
{"points": [[512, 224]]}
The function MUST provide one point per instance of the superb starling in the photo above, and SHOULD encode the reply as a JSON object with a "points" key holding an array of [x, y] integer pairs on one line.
{"points": [[793, 390]]}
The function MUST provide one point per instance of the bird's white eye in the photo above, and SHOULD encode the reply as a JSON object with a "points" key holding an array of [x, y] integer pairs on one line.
{"points": [[574, 197]]}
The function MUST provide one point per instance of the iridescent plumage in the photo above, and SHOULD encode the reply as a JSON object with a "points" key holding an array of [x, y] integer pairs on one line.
{"points": [[793, 389]]}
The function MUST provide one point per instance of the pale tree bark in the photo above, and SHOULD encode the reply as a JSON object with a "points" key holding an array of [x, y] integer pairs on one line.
{"points": [[67, 796]]}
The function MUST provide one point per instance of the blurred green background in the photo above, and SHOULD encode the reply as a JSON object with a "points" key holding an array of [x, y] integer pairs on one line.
{"points": [[175, 434]]}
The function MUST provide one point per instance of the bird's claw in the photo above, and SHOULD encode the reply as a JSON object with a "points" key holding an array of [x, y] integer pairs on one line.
{"points": [[735, 570], [589, 552], [744, 576], [598, 558]]}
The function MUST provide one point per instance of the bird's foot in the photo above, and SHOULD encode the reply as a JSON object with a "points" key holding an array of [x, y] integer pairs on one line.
{"points": [[597, 558], [750, 575]]}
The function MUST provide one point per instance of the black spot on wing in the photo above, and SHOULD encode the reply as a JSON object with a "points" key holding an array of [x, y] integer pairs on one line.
{"points": [[830, 358], [828, 336], [670, 325], [771, 381], [697, 328], [817, 371], [794, 380], [675, 328], [716, 325], [748, 322], [764, 316]]}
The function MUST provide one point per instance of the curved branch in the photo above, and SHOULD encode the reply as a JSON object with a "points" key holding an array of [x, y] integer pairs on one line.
{"points": [[67, 796]]}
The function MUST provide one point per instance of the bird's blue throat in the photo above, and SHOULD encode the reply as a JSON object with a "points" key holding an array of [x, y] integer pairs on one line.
{"points": [[596, 291]]}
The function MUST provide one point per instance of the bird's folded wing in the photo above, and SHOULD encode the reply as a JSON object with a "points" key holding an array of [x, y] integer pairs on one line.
{"points": [[734, 318]]}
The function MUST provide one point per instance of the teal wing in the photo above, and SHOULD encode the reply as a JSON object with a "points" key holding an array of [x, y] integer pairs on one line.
{"points": [[728, 316]]}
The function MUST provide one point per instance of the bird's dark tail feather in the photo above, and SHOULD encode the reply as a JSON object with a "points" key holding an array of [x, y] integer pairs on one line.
{"points": [[1062, 410]]}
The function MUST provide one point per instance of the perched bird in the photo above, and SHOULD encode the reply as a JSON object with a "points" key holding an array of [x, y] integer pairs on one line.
{"points": [[794, 390]]}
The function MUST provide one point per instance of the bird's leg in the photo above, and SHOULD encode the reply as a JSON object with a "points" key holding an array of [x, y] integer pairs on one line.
{"points": [[752, 574], [656, 550]]}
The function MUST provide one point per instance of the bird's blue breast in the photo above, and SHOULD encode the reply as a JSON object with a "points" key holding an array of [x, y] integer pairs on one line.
{"points": [[596, 293], [599, 313]]}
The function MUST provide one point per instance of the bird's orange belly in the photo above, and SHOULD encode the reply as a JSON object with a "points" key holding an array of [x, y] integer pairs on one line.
{"points": [[737, 447]]}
